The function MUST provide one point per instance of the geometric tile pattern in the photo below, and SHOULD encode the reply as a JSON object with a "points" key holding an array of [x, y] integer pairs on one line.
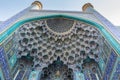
{"points": [[4, 64], [110, 65], [116, 75], [45, 45]]}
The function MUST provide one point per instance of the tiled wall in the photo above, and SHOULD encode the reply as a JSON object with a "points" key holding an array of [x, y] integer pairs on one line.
{"points": [[104, 56], [8, 57], [110, 66], [4, 64], [116, 75], [1, 74], [8, 60]]}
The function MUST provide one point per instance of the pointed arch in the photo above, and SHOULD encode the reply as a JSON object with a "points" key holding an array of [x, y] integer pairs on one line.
{"points": [[112, 41]]}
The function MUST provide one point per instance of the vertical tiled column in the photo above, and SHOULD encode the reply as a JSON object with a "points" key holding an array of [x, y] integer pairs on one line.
{"points": [[1, 74], [4, 65], [116, 74], [26, 76], [20, 75], [110, 66]]}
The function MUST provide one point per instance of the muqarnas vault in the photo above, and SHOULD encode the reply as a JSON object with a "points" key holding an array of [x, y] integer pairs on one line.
{"points": [[38, 44]]}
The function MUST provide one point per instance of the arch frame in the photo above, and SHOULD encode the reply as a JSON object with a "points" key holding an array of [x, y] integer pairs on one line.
{"points": [[107, 35]]}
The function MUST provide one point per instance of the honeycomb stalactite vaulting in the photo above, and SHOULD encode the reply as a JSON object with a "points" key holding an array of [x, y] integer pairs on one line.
{"points": [[44, 45], [57, 70]]}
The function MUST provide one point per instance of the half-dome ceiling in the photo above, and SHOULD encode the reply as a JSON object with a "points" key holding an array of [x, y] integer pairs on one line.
{"points": [[37, 40], [60, 25]]}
